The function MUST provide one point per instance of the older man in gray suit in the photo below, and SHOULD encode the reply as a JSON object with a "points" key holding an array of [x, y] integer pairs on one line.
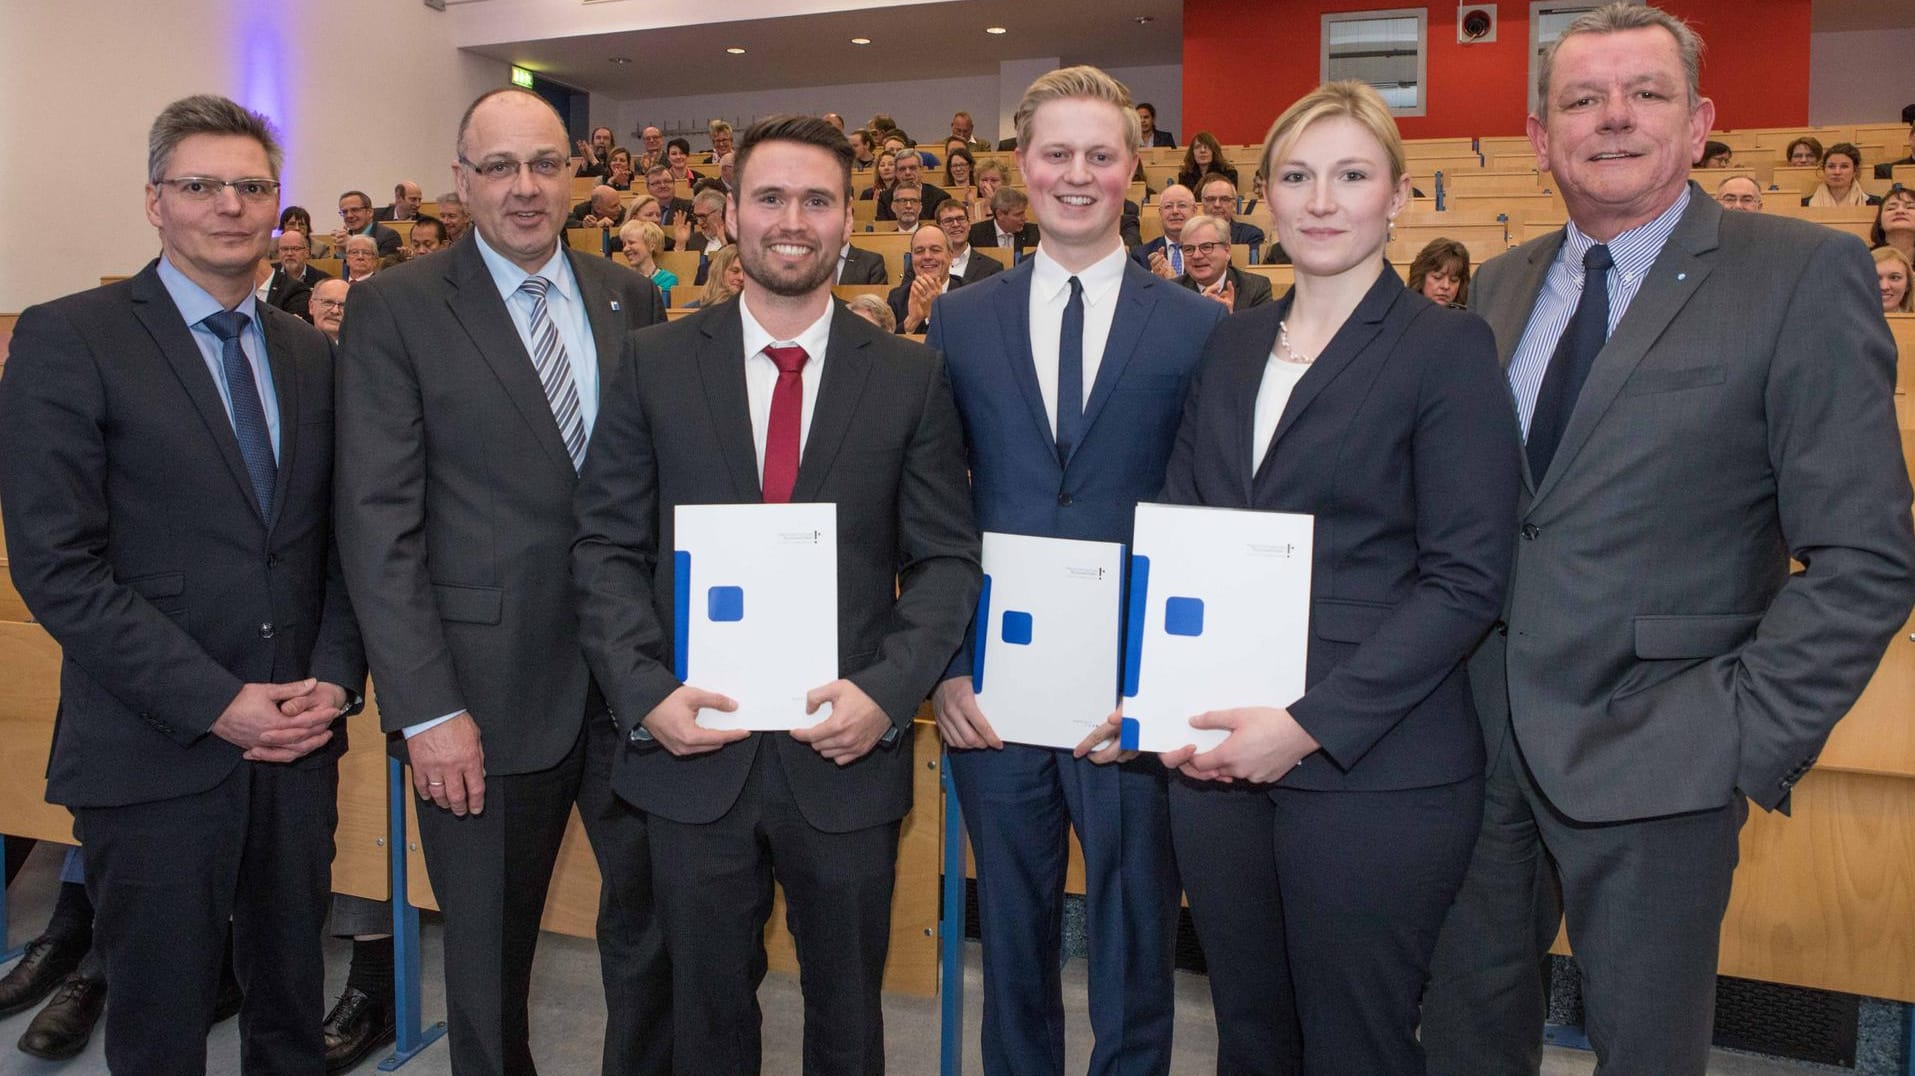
{"points": [[1703, 396]]}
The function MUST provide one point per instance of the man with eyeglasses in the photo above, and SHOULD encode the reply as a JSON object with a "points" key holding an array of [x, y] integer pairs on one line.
{"points": [[1220, 201], [289, 285], [907, 167], [708, 214], [356, 217], [166, 451], [1740, 193], [329, 306], [907, 205], [967, 265], [469, 385], [1207, 270], [1164, 255]]}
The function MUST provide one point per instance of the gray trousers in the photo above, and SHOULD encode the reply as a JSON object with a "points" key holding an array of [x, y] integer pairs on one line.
{"points": [[1644, 901], [353, 917]]}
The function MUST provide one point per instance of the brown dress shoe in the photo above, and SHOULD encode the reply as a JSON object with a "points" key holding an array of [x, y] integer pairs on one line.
{"points": [[61, 1030], [47, 961]]}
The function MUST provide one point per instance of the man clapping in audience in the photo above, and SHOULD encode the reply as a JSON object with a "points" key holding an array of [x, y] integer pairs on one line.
{"points": [[930, 277], [1162, 255], [1207, 269]]}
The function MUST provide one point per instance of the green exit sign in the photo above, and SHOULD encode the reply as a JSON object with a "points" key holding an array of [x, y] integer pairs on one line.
{"points": [[521, 77]]}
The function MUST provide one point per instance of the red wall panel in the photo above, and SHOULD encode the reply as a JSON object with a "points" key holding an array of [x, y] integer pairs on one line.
{"points": [[1245, 60]]}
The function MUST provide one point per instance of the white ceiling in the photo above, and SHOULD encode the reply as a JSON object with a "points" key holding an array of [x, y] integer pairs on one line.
{"points": [[921, 41]]}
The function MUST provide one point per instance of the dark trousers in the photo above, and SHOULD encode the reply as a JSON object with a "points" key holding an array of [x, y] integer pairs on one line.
{"points": [[714, 892], [166, 879], [491, 872], [1019, 806], [1317, 912], [1645, 901]]}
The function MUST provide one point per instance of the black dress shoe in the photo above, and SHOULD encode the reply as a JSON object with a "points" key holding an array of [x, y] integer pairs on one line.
{"points": [[230, 997], [47, 961], [61, 1030], [359, 1024]]}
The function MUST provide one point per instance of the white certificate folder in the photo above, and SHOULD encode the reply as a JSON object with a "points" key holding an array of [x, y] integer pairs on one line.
{"points": [[756, 609], [1219, 617], [1046, 638]]}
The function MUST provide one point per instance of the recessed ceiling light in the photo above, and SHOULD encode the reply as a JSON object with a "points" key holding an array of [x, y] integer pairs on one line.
{"points": [[861, 41], [1144, 20], [995, 30], [736, 51], [621, 60]]}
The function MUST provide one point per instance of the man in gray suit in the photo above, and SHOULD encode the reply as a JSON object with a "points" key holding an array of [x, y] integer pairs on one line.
{"points": [[1716, 400], [468, 386]]}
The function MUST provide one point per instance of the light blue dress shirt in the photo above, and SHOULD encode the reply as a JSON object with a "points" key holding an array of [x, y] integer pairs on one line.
{"points": [[195, 304]]}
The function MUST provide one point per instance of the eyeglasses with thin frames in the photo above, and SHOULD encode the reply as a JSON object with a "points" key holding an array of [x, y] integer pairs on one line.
{"points": [[206, 188]]}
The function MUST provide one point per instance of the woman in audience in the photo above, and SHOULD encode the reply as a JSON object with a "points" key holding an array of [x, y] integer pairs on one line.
{"points": [[875, 310], [1893, 273], [1804, 152], [641, 240], [990, 176], [296, 217], [1251, 203], [1204, 157], [678, 155], [1895, 222], [726, 279], [621, 177], [1841, 179], [960, 168], [1440, 273], [1322, 842], [884, 177]]}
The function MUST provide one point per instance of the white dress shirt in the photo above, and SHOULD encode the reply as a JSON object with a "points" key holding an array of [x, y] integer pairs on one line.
{"points": [[1273, 395], [961, 263], [1050, 293], [761, 375]]}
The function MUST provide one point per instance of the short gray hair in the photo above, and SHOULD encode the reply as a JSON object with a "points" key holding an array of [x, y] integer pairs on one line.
{"points": [[708, 200], [1615, 18], [1205, 220], [207, 114]]}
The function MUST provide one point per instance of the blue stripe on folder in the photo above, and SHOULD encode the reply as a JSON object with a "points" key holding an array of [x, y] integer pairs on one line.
{"points": [[1127, 734], [980, 635], [1134, 627], [681, 612]]}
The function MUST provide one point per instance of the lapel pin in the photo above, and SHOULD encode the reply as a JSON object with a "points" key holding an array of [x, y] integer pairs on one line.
{"points": [[615, 304], [1679, 276]]}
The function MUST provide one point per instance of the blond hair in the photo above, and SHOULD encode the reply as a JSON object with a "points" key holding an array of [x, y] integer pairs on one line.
{"points": [[1082, 81], [715, 290], [1356, 100], [1204, 220], [1890, 254], [645, 232]]}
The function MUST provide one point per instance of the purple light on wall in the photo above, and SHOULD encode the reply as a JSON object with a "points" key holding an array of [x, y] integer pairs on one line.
{"points": [[263, 64]]}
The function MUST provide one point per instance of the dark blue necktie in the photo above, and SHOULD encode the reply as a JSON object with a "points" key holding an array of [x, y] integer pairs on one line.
{"points": [[1576, 352], [1070, 374], [249, 417]]}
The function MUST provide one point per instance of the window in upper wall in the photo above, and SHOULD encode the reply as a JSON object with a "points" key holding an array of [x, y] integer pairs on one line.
{"points": [[1387, 49], [1547, 21]]}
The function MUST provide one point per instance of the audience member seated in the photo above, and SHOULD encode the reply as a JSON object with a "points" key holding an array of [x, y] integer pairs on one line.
{"points": [[603, 209], [1804, 152], [362, 258], [641, 240], [672, 210], [1840, 186], [863, 154], [874, 310], [1716, 155], [355, 211], [1207, 268], [1250, 204], [834, 120], [595, 155], [1440, 273], [967, 265], [727, 278], [1219, 196], [620, 178], [1175, 206], [708, 211], [452, 214], [329, 306], [1147, 118], [721, 139], [406, 199], [964, 129], [428, 237], [857, 265], [927, 276], [960, 168], [1887, 171], [907, 207], [296, 218], [678, 156], [1740, 193], [1007, 228], [727, 167], [990, 176], [1204, 158], [292, 248], [884, 176], [1893, 272], [289, 292], [907, 168], [652, 150], [1895, 222]]}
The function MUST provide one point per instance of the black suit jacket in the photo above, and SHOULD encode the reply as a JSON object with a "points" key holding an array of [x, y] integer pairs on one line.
{"points": [[1161, 137], [455, 494], [137, 543], [899, 299], [293, 295], [675, 428], [670, 211], [979, 267], [1253, 289], [934, 196], [384, 212], [388, 240], [1246, 235], [1401, 440], [984, 234], [864, 267]]}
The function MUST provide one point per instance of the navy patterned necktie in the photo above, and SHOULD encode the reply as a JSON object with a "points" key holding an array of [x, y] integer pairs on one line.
{"points": [[249, 415], [1576, 352], [1070, 374]]}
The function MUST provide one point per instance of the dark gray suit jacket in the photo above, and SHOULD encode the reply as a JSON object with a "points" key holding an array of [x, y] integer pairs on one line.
{"points": [[675, 428], [136, 541], [864, 267], [1658, 656], [1253, 289], [455, 500]]}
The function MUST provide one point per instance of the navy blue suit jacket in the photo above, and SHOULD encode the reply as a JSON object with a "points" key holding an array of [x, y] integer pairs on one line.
{"points": [[1017, 484]]}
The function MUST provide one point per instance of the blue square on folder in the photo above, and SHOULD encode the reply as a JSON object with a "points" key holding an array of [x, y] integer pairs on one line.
{"points": [[725, 604], [1017, 628], [1184, 616]]}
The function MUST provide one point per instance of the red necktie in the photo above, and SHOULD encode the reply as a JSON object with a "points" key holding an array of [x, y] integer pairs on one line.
{"points": [[787, 415]]}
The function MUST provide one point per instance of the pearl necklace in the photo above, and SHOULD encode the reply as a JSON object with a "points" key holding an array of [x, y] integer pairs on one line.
{"points": [[1288, 353]]}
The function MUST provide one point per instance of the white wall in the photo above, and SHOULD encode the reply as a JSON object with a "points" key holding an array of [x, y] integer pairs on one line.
{"points": [[365, 92], [1862, 76]]}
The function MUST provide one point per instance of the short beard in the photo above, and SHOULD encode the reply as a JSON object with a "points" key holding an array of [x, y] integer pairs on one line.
{"points": [[791, 284]]}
